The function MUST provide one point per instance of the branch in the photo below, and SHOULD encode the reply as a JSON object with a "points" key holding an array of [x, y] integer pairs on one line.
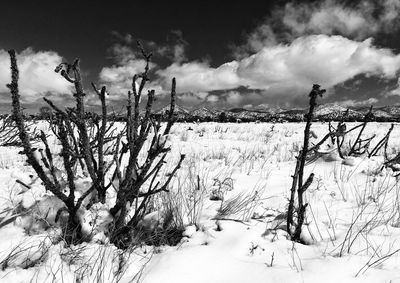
{"points": [[171, 108], [19, 120]]}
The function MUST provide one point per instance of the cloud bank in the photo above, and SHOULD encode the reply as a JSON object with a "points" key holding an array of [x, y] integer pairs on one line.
{"points": [[290, 69], [357, 20], [298, 44], [37, 76]]}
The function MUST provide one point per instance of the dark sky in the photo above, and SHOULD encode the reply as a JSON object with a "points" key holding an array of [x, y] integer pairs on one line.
{"points": [[277, 49], [84, 28]]}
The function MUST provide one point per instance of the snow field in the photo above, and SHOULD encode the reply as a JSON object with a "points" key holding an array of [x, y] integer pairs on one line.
{"points": [[352, 225]]}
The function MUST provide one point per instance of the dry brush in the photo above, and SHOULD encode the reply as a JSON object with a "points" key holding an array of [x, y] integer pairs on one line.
{"points": [[86, 138]]}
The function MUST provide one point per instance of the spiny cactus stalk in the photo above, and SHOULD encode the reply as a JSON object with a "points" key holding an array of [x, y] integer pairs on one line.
{"points": [[297, 184], [86, 139]]}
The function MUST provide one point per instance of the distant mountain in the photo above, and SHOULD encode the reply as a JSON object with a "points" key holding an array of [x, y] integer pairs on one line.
{"points": [[386, 113], [294, 115], [393, 110], [237, 110], [381, 114], [293, 112], [336, 112], [247, 115], [268, 109], [329, 109], [251, 115], [325, 112], [180, 112], [203, 112]]}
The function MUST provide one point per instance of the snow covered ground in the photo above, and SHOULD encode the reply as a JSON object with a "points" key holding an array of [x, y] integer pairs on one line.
{"points": [[352, 227]]}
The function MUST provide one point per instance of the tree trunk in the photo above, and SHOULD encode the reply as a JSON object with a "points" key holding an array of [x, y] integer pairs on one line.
{"points": [[73, 230]]}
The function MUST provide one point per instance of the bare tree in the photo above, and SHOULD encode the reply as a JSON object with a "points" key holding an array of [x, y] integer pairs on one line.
{"points": [[86, 139]]}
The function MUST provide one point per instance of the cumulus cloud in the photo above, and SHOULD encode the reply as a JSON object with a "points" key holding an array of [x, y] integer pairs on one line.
{"points": [[329, 17], [290, 69], [327, 42], [175, 47], [125, 47], [212, 98], [358, 103], [129, 61], [328, 60], [37, 76], [122, 54], [118, 78], [191, 98], [234, 98], [200, 77], [356, 20]]}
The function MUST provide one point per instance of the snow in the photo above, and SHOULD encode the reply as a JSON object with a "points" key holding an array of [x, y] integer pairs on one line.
{"points": [[353, 218]]}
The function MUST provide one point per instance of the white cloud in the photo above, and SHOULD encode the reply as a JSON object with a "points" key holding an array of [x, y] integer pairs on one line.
{"points": [[356, 103], [129, 62], [118, 78], [178, 51], [299, 44], [234, 98], [192, 98], [212, 98], [200, 77], [36, 72], [328, 60], [358, 20], [330, 17], [122, 53], [290, 69], [262, 36]]}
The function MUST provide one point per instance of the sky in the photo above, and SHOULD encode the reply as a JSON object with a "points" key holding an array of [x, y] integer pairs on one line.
{"points": [[224, 54]]}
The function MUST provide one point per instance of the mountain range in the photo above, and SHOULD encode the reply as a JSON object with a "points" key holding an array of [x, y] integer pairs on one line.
{"points": [[326, 112]]}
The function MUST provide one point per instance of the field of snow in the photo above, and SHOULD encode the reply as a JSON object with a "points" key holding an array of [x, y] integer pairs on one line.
{"points": [[352, 228]]}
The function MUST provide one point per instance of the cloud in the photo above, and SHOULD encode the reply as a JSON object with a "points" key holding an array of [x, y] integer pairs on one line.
{"points": [[327, 42], [129, 61], [358, 20], [289, 69], [125, 47], [175, 48], [355, 103], [395, 91], [118, 78], [191, 99], [200, 77], [328, 60], [122, 53], [330, 17], [234, 98], [37, 76], [212, 98]]}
